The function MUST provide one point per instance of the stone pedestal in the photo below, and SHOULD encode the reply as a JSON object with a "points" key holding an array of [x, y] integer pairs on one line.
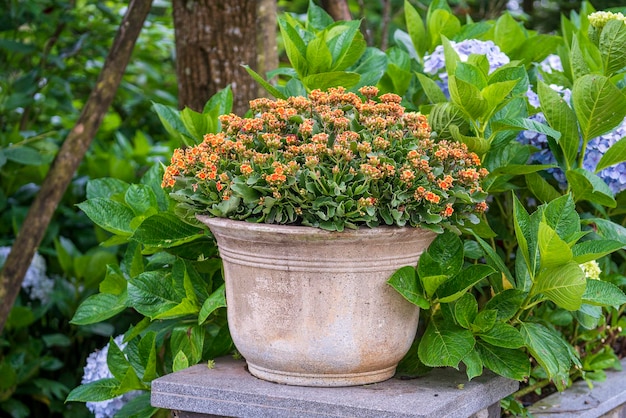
{"points": [[228, 390]]}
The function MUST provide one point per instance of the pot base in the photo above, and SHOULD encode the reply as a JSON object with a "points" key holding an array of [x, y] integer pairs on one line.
{"points": [[321, 379]]}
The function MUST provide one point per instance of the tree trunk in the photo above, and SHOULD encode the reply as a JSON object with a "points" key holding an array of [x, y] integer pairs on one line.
{"points": [[69, 157], [267, 49], [213, 39], [338, 9]]}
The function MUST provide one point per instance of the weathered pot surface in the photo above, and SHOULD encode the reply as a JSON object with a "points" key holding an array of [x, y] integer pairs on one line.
{"points": [[311, 307]]}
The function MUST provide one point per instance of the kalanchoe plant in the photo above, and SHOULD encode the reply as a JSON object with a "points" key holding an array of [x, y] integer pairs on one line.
{"points": [[332, 160]]}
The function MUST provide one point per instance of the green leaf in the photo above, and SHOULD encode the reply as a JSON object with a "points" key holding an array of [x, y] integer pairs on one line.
{"points": [[552, 249], [526, 125], [590, 187], [563, 285], [172, 123], [416, 28], [548, 348], [212, 303], [197, 124], [141, 199], [454, 288], [468, 98], [444, 344], [594, 249], [475, 144], [465, 310], [23, 155], [613, 46], [139, 406], [221, 103], [116, 361], [432, 89], [601, 293], [295, 47], [99, 307], [494, 258], [506, 303], [148, 356], [371, 67], [326, 80], [100, 390], [502, 335], [523, 229], [562, 118], [267, 86], [539, 187], [513, 364], [316, 17], [496, 93], [152, 293], [474, 364], [114, 282], [608, 229], [109, 215], [346, 44], [614, 155], [165, 230], [106, 187], [508, 34], [600, 106], [318, 56], [560, 215], [442, 260], [181, 362], [441, 22], [485, 320], [536, 48]]}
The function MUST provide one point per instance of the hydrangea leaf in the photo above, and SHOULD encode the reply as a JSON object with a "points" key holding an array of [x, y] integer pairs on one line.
{"points": [[548, 348], [614, 155], [346, 44], [371, 67], [563, 285], [509, 34], [560, 215], [173, 123], [552, 249], [442, 23], [465, 310], [562, 119], [502, 335], [318, 56], [468, 97], [608, 229], [485, 320], [594, 249], [613, 46], [165, 230], [599, 105], [444, 344], [601, 293], [588, 186], [513, 364], [180, 362], [110, 215], [444, 256], [540, 188], [316, 17], [431, 88], [460, 283], [294, 45], [473, 364], [100, 390], [416, 28], [216, 300], [106, 187], [99, 307], [326, 80]]}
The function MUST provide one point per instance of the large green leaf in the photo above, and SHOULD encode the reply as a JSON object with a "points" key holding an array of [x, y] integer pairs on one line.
{"points": [[513, 364], [494, 258], [614, 155], [110, 215], [170, 119], [117, 362], [473, 364], [526, 125], [562, 118], [416, 28], [444, 344], [548, 348], [316, 17], [502, 335], [324, 81], [212, 303], [165, 230], [613, 46], [601, 293], [539, 187], [560, 214], [588, 186], [99, 307], [431, 88], [594, 249], [442, 260], [152, 293], [509, 34], [600, 106], [100, 390], [467, 97], [465, 310], [294, 46], [459, 284], [197, 124], [552, 249], [106, 187], [23, 155], [441, 22], [346, 44], [563, 285], [608, 229], [522, 226], [141, 199], [267, 86], [318, 56]]}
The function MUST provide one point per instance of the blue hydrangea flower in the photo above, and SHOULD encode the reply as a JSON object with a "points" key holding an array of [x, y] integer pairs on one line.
{"points": [[551, 63], [97, 369], [36, 283], [434, 63]]}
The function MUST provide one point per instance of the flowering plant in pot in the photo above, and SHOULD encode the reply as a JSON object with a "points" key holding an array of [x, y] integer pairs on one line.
{"points": [[375, 186]]}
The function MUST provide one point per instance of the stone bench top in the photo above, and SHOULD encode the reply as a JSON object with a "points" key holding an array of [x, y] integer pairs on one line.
{"points": [[229, 390]]}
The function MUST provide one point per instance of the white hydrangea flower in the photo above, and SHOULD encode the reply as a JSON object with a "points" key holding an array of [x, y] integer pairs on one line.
{"points": [[599, 19], [591, 269], [96, 369], [36, 283]]}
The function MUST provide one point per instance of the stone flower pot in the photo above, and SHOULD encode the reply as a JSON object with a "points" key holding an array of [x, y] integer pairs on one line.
{"points": [[311, 307]]}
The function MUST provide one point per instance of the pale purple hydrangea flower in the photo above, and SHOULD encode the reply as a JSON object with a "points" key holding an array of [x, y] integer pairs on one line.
{"points": [[435, 63], [97, 369], [514, 6], [551, 63], [37, 285]]}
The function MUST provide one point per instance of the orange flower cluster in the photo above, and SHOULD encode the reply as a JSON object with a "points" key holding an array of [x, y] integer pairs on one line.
{"points": [[332, 155]]}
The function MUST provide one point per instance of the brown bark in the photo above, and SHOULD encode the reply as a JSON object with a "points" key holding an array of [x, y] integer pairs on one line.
{"points": [[69, 157], [213, 39], [338, 9]]}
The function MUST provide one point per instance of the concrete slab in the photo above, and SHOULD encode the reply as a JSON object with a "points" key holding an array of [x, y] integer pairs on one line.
{"points": [[229, 390], [579, 401]]}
